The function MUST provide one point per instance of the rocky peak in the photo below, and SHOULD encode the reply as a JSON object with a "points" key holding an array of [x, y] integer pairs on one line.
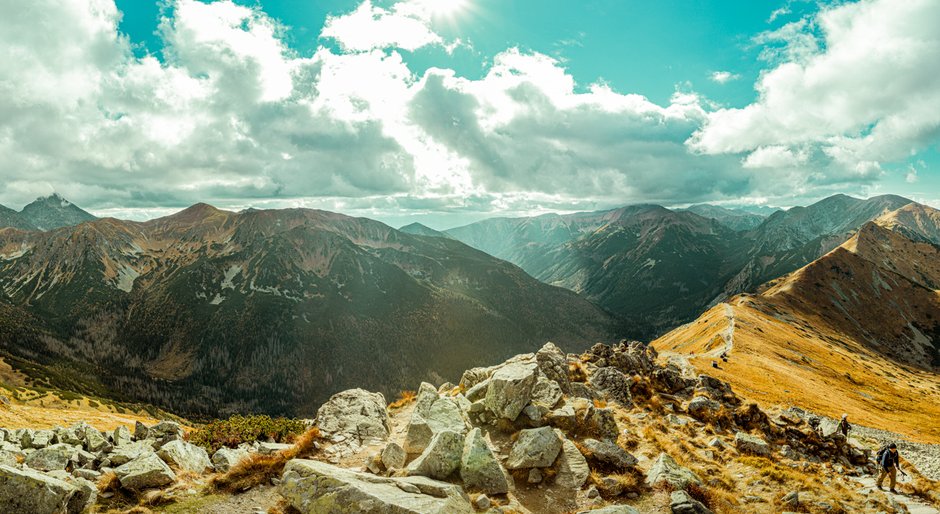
{"points": [[53, 211]]}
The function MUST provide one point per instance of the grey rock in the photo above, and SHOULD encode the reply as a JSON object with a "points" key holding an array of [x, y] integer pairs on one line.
{"points": [[266, 448], [166, 430], [534, 448], [480, 469], [510, 390], [666, 470], [573, 469], [87, 492], [702, 407], [554, 365], [535, 476], [225, 458], [482, 502], [746, 443], [546, 392], [95, 441], [394, 456], [669, 380], [145, 472], [478, 391], [141, 431], [128, 452], [25, 491], [356, 414], [682, 503], [37, 438], [185, 456], [612, 509], [441, 458], [432, 414], [609, 453], [613, 384], [601, 423], [314, 487], [121, 435], [68, 436], [87, 474], [563, 417], [51, 458], [8, 458]]}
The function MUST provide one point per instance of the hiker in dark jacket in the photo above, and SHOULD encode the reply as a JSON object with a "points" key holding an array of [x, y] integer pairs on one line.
{"points": [[844, 425], [890, 464]]}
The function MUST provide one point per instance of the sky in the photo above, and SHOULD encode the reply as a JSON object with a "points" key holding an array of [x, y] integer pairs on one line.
{"points": [[449, 111]]}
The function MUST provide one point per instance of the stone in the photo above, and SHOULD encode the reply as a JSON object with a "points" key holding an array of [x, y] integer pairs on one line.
{"points": [[87, 492], [95, 441], [612, 509], [563, 417], [475, 376], [510, 390], [145, 472], [546, 392], [356, 414], [609, 453], [478, 392], [128, 452], [432, 414], [702, 407], [266, 448], [480, 470], [746, 443], [829, 429], [87, 474], [581, 390], [394, 456], [633, 358], [714, 442], [613, 384], [314, 487], [601, 423], [573, 469], [535, 476], [534, 448], [51, 458], [68, 436], [225, 458], [669, 380], [682, 503], [141, 431], [8, 458], [166, 431], [791, 499], [121, 436], [25, 491], [666, 470], [37, 438], [482, 502], [185, 456], [554, 365], [441, 458]]}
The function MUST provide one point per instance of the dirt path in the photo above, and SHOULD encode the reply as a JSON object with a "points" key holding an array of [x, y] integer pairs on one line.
{"points": [[682, 360], [914, 505]]}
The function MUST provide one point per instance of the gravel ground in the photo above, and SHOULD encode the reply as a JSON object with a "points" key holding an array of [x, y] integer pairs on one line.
{"points": [[924, 457]]}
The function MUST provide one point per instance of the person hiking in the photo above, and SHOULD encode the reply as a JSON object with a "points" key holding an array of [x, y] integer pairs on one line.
{"points": [[890, 463], [844, 425]]}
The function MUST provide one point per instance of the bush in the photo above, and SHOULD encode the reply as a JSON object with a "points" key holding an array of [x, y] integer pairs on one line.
{"points": [[240, 429]]}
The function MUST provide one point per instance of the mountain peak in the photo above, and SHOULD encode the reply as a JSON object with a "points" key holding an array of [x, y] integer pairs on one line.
{"points": [[53, 211], [194, 213], [420, 229]]}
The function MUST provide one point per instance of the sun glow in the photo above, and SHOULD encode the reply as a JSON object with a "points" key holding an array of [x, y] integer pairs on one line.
{"points": [[447, 8]]}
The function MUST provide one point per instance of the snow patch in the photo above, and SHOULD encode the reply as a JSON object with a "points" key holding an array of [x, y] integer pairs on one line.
{"points": [[217, 300], [230, 274]]}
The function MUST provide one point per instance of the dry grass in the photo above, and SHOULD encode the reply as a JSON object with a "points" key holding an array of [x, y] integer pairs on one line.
{"points": [[260, 469], [600, 404], [577, 372], [108, 482], [624, 483], [404, 398], [138, 509], [922, 487]]}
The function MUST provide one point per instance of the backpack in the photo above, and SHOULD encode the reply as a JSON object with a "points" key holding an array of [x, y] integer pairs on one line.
{"points": [[881, 453]]}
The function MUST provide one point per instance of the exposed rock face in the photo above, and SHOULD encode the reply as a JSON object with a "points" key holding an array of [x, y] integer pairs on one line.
{"points": [[432, 415], [746, 443], [510, 390], [25, 491], [53, 457], [144, 472], [669, 380], [224, 458], [121, 436], [665, 469], [480, 469], [607, 452], [185, 456], [573, 469], [130, 451], [554, 365], [682, 503], [612, 383], [314, 487], [441, 458], [534, 448], [37, 438], [354, 417]]}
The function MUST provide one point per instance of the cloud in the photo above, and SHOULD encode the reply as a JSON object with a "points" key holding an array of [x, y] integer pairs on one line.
{"points": [[723, 77], [406, 25], [867, 92]]}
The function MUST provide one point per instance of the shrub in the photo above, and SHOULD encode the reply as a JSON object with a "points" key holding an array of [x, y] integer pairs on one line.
{"points": [[240, 429], [404, 398]]}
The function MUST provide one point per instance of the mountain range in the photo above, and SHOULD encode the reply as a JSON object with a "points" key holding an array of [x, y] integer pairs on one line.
{"points": [[211, 312], [44, 213]]}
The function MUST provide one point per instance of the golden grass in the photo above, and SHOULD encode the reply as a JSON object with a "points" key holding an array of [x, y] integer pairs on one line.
{"points": [[600, 404], [260, 469], [108, 482], [577, 372], [404, 398]]}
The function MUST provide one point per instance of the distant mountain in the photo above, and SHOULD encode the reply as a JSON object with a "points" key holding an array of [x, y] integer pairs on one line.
{"points": [[213, 312], [419, 229], [915, 221], [735, 219], [44, 213]]}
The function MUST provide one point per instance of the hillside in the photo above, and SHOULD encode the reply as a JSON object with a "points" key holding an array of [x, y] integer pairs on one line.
{"points": [[44, 213], [861, 323], [735, 219], [209, 312]]}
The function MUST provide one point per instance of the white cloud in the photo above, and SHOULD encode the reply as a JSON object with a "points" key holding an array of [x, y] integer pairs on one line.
{"points": [[406, 25], [723, 77], [869, 94]]}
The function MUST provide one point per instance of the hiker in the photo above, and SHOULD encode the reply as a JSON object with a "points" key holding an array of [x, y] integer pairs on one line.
{"points": [[890, 465], [844, 425]]}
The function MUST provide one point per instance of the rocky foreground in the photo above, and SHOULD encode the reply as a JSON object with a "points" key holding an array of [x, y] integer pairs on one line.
{"points": [[609, 431]]}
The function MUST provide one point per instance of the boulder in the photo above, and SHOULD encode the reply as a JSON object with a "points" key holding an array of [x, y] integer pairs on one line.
{"points": [[224, 458], [510, 390], [682, 503], [546, 393], [612, 509], [633, 358], [702, 407], [669, 380], [266, 448], [141, 431], [534, 448], [475, 376], [746, 443], [185, 456], [8, 458], [432, 415], [68, 436], [441, 458], [563, 417], [128, 452], [394, 456], [478, 391], [145, 472], [314, 487], [95, 441], [554, 365], [165, 431], [609, 453], [37, 438], [829, 429], [480, 470], [121, 436], [666, 470], [573, 469], [51, 458], [354, 417], [601, 423], [25, 491], [613, 384]]}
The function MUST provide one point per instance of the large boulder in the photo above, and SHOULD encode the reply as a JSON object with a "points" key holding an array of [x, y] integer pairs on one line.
{"points": [[554, 365], [225, 458], [51, 458], [666, 470], [441, 458], [166, 430], [669, 380], [354, 417], [314, 487], [185, 456], [432, 415], [546, 393], [121, 435], [37, 438], [69, 436], [613, 384], [480, 470], [681, 503], [128, 452], [145, 472], [510, 389], [95, 441], [534, 448], [25, 491], [393, 456], [573, 469], [746, 443], [702, 407], [601, 422], [633, 358], [609, 453], [829, 429]]}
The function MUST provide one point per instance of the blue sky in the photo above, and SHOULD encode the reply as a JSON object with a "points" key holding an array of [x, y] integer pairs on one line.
{"points": [[446, 111]]}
